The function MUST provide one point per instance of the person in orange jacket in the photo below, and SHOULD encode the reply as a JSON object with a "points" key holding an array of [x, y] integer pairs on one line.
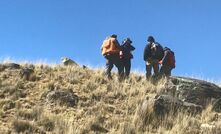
{"points": [[111, 50]]}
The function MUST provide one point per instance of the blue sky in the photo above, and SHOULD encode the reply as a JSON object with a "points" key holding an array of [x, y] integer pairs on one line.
{"points": [[51, 29]]}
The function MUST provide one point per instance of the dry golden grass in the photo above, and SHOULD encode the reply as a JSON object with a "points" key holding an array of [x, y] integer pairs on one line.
{"points": [[104, 106]]}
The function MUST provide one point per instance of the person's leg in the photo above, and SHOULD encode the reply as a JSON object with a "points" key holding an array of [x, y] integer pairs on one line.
{"points": [[123, 63], [120, 66], [109, 66], [127, 67], [162, 70], [156, 68], [168, 71], [148, 70], [165, 70]]}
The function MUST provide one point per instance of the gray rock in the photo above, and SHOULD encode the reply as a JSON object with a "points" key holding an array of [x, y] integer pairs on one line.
{"points": [[12, 66], [194, 91], [26, 73], [157, 108], [68, 62], [63, 98], [9, 66], [161, 105], [217, 106], [98, 128]]}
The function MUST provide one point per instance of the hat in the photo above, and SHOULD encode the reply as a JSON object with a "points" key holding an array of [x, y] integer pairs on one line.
{"points": [[151, 39], [114, 36], [128, 39]]}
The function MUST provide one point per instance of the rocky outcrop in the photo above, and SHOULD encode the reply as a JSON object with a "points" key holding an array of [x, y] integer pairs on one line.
{"points": [[160, 105], [61, 97], [68, 62], [217, 106], [9, 66], [191, 90], [26, 73], [179, 94]]}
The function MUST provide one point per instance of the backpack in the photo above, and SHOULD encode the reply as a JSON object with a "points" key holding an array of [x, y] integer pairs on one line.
{"points": [[109, 47], [171, 59]]}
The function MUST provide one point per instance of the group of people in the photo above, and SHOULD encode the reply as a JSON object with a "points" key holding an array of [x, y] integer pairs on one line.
{"points": [[121, 55]]}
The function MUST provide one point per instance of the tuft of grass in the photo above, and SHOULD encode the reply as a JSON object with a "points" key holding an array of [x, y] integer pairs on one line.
{"points": [[20, 126], [33, 114]]}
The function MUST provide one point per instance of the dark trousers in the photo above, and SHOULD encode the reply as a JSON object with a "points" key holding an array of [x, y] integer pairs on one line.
{"points": [[113, 59], [126, 67], [152, 64], [165, 70]]}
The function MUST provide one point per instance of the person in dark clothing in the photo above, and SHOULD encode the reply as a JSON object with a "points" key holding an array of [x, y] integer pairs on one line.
{"points": [[126, 56], [153, 53], [110, 50], [167, 63]]}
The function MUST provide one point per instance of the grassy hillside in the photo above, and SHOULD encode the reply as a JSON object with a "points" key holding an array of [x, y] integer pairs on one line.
{"points": [[102, 106]]}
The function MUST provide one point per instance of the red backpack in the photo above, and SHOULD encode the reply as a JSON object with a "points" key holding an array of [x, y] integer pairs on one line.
{"points": [[171, 59]]}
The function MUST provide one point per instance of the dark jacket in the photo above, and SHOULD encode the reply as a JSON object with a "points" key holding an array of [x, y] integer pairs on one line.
{"points": [[153, 53], [127, 48]]}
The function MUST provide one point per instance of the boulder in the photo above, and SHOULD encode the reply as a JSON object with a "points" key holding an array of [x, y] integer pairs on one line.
{"points": [[68, 62], [26, 73], [217, 106], [191, 90], [99, 129], [9, 66], [156, 108], [61, 97], [12, 66], [161, 105]]}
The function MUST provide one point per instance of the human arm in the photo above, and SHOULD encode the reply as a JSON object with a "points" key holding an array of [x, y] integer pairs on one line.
{"points": [[165, 58], [146, 51]]}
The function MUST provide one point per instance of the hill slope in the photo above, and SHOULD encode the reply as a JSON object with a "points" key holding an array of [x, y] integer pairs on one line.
{"points": [[57, 99]]}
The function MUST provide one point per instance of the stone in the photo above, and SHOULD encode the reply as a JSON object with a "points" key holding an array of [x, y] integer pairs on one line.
{"points": [[9, 66], [194, 91], [217, 106], [26, 73], [68, 62], [98, 128], [62, 98], [163, 104], [156, 108], [12, 66]]}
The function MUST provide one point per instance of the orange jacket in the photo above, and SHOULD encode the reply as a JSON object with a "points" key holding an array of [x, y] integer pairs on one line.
{"points": [[110, 46]]}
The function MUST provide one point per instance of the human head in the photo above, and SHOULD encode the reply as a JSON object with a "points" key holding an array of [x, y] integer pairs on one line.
{"points": [[127, 40], [151, 39], [113, 36]]}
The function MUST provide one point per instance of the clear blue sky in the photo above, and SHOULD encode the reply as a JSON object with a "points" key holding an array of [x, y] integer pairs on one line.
{"points": [[50, 29]]}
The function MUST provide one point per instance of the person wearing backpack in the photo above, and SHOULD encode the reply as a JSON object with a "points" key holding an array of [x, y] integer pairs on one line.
{"points": [[168, 62], [126, 56], [110, 50], [153, 53]]}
